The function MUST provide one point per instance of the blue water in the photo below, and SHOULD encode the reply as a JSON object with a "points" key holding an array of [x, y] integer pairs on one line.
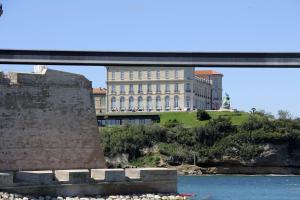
{"points": [[241, 187]]}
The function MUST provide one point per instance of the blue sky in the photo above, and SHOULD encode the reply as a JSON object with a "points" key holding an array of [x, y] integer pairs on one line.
{"points": [[169, 25]]}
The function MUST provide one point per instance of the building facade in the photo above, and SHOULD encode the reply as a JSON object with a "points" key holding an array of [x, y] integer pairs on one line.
{"points": [[215, 94], [99, 96], [159, 89]]}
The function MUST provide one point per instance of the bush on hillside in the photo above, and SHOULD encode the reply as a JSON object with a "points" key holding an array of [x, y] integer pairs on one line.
{"points": [[214, 130], [202, 115], [236, 145], [171, 123], [128, 139], [222, 125]]}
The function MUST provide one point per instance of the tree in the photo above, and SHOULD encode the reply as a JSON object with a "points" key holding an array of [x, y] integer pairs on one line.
{"points": [[203, 115], [284, 115]]}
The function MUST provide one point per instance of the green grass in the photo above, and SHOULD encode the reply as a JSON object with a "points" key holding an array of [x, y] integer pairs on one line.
{"points": [[189, 119]]}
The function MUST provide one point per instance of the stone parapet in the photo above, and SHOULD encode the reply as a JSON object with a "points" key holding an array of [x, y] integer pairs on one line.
{"points": [[48, 78], [90, 182]]}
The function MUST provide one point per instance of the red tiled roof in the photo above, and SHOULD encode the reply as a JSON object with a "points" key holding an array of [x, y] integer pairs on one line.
{"points": [[207, 72], [99, 91]]}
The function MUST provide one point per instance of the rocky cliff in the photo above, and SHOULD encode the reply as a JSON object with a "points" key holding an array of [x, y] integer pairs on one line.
{"points": [[281, 158]]}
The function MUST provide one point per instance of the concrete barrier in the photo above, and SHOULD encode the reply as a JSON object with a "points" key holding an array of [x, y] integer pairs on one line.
{"points": [[35, 177], [149, 174], [6, 178]]}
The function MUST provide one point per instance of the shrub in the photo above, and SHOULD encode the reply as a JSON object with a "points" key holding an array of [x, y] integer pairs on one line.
{"points": [[257, 122], [222, 125], [128, 139], [177, 154], [239, 144], [151, 160], [202, 115], [171, 123], [214, 130]]}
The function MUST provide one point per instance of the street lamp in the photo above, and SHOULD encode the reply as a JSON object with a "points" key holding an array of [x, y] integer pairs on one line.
{"points": [[1, 10]]}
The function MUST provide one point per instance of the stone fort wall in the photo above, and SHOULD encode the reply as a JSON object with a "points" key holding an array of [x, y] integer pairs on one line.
{"points": [[48, 121]]}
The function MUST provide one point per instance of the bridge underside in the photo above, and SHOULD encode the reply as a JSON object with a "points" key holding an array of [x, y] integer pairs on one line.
{"points": [[106, 58]]}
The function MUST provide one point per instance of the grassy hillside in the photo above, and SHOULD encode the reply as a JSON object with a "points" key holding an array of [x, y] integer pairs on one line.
{"points": [[189, 119]]}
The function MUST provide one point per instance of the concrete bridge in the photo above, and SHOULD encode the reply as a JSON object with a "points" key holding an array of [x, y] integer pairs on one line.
{"points": [[114, 58]]}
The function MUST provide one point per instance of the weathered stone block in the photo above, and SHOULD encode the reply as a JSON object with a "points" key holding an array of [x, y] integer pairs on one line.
{"points": [[151, 174], [35, 177], [73, 176], [110, 175], [6, 178]]}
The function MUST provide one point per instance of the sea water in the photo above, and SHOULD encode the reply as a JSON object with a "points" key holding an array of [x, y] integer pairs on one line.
{"points": [[241, 187]]}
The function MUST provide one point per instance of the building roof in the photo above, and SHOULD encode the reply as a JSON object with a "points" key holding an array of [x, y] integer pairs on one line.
{"points": [[207, 72], [99, 90]]}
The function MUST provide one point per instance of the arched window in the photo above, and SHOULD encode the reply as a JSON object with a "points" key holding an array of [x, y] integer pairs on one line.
{"points": [[140, 103], [167, 102], [122, 103], [149, 103], [113, 103], [176, 102], [131, 103], [158, 103]]}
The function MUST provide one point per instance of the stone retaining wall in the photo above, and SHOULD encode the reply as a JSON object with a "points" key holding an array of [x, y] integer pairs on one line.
{"points": [[90, 182]]}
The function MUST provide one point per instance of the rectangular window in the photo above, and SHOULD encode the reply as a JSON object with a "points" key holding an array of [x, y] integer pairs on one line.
{"points": [[149, 88], [148, 74], [122, 75], [122, 89], [113, 88], [176, 73], [167, 74], [158, 74], [140, 75], [188, 87], [131, 88], [140, 89], [176, 87], [158, 88], [167, 88], [131, 75], [113, 75], [188, 102]]}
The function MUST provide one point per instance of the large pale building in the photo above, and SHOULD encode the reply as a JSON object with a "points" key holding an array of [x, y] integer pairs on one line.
{"points": [[162, 89]]}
